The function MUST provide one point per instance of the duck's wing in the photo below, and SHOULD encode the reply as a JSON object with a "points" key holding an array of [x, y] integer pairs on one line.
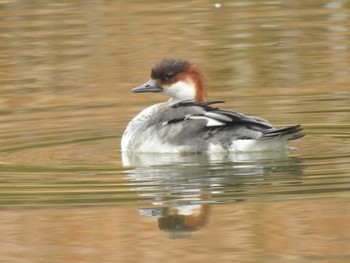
{"points": [[189, 117], [208, 115]]}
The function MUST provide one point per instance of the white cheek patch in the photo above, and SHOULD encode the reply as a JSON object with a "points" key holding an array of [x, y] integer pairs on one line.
{"points": [[181, 90]]}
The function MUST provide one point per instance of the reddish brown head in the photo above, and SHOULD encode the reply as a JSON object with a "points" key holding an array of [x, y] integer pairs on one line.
{"points": [[176, 78]]}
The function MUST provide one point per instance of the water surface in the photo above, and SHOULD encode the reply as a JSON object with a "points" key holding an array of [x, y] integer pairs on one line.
{"points": [[68, 194]]}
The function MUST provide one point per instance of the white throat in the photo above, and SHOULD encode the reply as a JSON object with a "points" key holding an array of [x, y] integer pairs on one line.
{"points": [[181, 91]]}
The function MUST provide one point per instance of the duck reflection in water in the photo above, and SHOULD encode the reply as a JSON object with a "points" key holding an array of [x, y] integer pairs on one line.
{"points": [[182, 187], [179, 220]]}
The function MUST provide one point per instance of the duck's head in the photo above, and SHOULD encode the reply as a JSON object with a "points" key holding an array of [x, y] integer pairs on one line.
{"points": [[177, 78]]}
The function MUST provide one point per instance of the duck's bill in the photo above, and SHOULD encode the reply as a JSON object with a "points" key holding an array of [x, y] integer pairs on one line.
{"points": [[149, 86]]}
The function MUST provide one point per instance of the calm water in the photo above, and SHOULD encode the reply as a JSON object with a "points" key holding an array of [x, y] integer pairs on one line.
{"points": [[67, 193]]}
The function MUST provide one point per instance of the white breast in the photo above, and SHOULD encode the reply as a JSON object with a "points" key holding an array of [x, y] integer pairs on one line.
{"points": [[133, 133]]}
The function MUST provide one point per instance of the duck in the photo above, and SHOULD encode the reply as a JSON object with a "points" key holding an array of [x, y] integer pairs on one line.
{"points": [[189, 123]]}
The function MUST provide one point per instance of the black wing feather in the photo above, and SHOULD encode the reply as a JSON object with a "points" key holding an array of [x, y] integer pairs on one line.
{"points": [[235, 117]]}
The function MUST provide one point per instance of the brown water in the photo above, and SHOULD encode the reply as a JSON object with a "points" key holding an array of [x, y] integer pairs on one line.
{"points": [[67, 194]]}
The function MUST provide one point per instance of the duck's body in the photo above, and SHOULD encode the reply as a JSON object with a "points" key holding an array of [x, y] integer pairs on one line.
{"points": [[187, 123]]}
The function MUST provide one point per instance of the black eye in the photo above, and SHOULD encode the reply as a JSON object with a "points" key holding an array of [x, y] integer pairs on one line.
{"points": [[169, 75]]}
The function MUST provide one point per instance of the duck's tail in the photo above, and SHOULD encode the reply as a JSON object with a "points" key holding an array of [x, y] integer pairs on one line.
{"points": [[290, 132]]}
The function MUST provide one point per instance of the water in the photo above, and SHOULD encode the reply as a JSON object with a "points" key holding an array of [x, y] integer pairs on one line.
{"points": [[67, 193]]}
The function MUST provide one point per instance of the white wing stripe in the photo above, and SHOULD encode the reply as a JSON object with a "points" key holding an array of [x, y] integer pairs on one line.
{"points": [[218, 116], [210, 122]]}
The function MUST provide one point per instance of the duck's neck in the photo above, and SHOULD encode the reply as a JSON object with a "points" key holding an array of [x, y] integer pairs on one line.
{"points": [[199, 83]]}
